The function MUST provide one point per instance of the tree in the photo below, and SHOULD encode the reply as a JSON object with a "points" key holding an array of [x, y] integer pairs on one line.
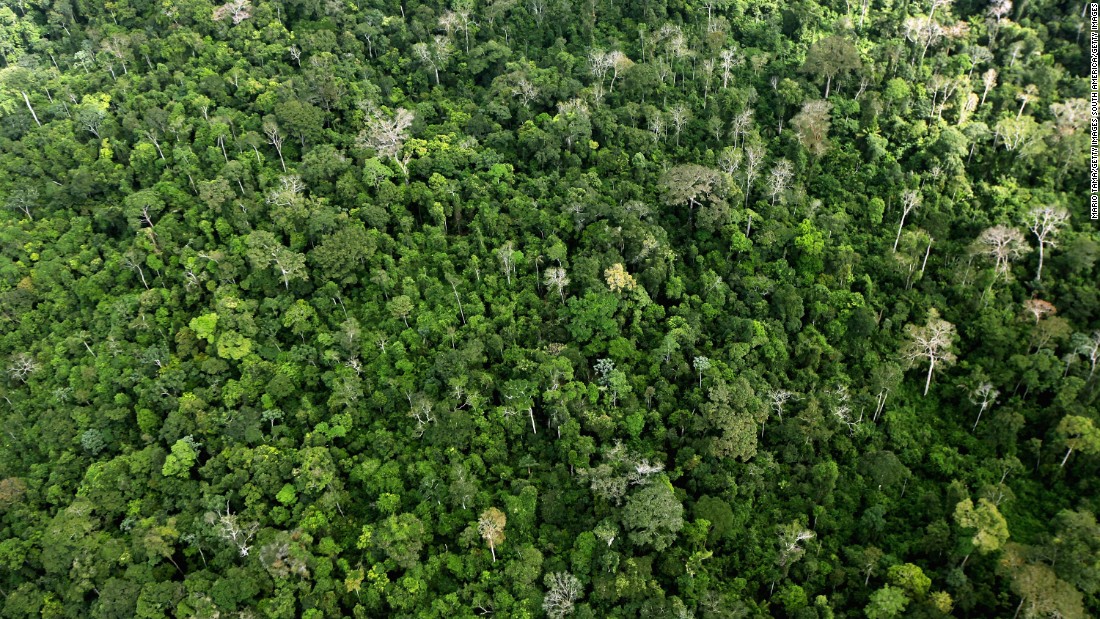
{"points": [[791, 536], [400, 307], [434, 54], [229, 527], [693, 185], [401, 537], [18, 79], [886, 603], [236, 10], [386, 134], [931, 343], [812, 126], [991, 529], [1078, 433], [653, 515], [910, 200], [1004, 245], [275, 138], [831, 56], [1089, 346], [983, 396], [21, 366], [556, 278], [1042, 593], [562, 590], [23, 200], [780, 177], [265, 250], [618, 279], [491, 527], [1045, 222]]}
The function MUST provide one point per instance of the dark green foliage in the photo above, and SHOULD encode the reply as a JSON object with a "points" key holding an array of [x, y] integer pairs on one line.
{"points": [[538, 308]]}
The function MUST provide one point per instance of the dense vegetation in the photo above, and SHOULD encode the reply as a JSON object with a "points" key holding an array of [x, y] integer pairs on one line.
{"points": [[544, 308]]}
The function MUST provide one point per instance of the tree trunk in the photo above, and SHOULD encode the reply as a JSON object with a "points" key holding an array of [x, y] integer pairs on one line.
{"points": [[900, 226], [1039, 273], [928, 381], [1068, 452], [27, 100]]}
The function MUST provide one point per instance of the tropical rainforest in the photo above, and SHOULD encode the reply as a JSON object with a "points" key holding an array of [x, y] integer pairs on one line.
{"points": [[547, 308]]}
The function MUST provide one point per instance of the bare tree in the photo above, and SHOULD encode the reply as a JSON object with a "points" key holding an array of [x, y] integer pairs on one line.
{"points": [[779, 399], [507, 256], [1004, 245], [754, 158], [791, 537], [237, 10], [275, 138], [679, 116], [21, 366], [909, 200], [562, 590], [1025, 96], [741, 124], [998, 9], [701, 364], [228, 526], [599, 63], [1089, 346], [525, 91], [989, 81], [386, 134], [1039, 309], [729, 161], [983, 396], [556, 278], [657, 126], [434, 54], [730, 58], [931, 343], [780, 176], [1045, 222], [812, 126], [287, 192]]}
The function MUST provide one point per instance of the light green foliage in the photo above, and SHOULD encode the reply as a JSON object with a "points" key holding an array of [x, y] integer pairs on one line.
{"points": [[886, 603], [233, 345], [910, 578], [182, 459], [204, 326], [986, 519]]}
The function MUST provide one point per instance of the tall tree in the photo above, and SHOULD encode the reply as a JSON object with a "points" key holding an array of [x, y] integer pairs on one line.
{"points": [[831, 56], [1045, 222], [930, 343]]}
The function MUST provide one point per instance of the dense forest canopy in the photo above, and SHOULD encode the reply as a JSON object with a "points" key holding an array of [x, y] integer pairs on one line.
{"points": [[547, 308]]}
